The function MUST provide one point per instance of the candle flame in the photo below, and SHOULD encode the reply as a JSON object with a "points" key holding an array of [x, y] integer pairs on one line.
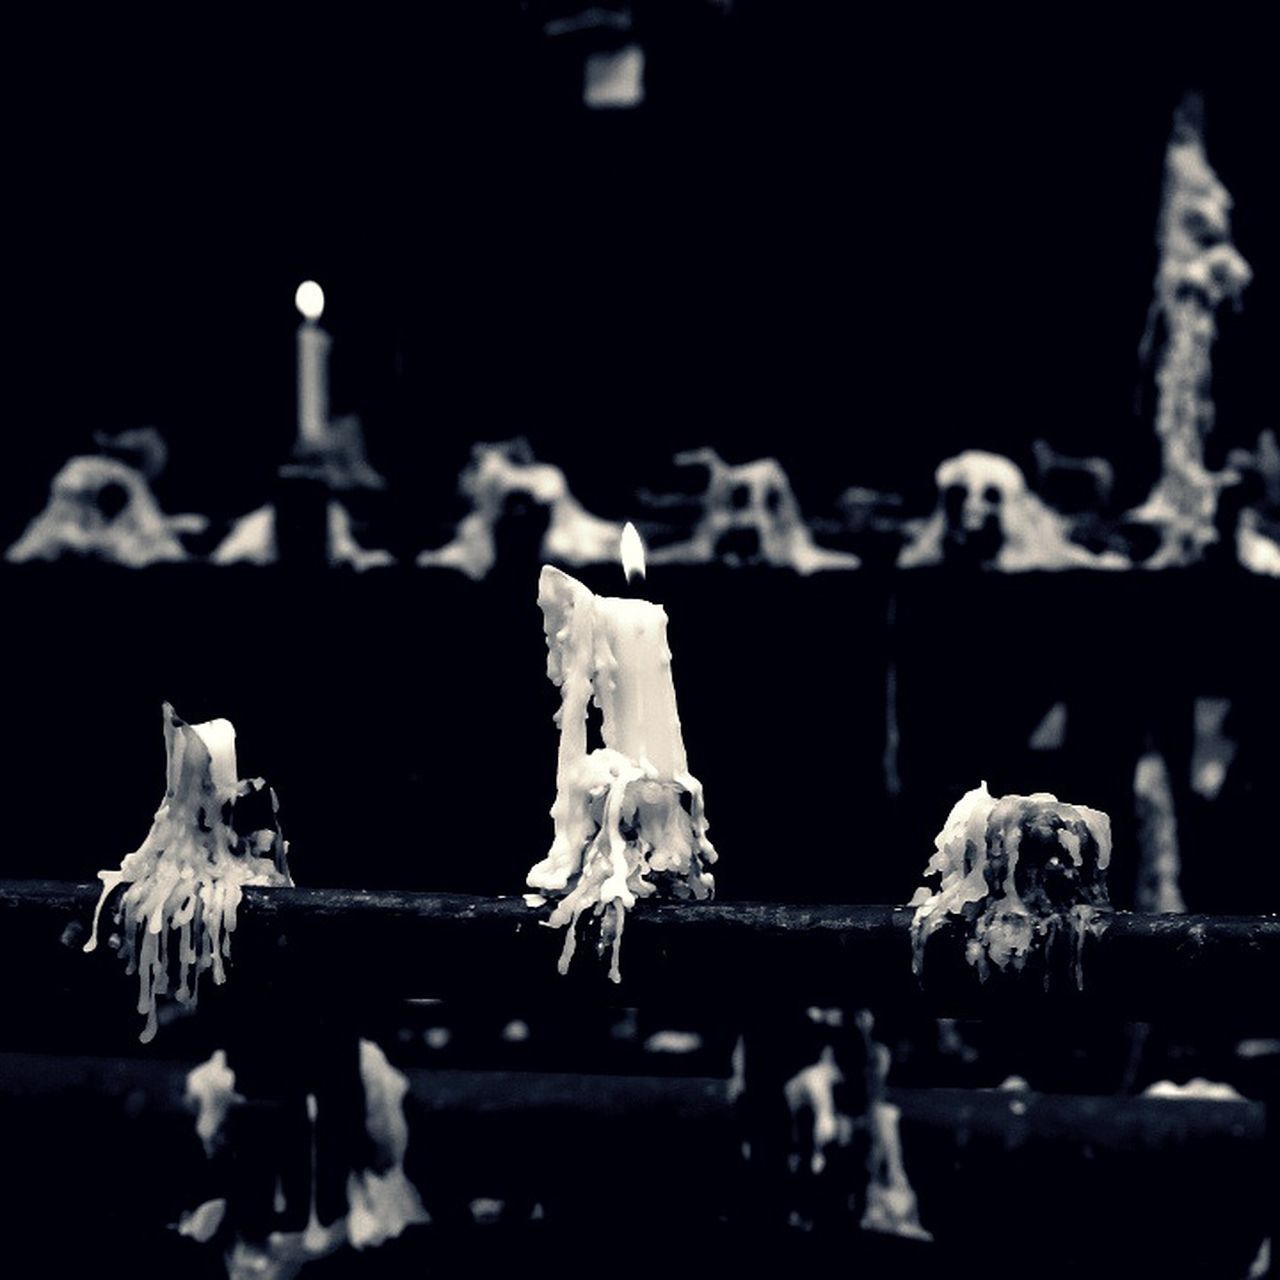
{"points": [[632, 550], [309, 299]]}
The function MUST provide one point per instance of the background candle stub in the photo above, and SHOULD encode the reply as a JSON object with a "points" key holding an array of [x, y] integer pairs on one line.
{"points": [[102, 506], [621, 829], [314, 345]]}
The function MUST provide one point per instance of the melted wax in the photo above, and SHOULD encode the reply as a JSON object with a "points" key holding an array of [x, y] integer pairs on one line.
{"points": [[891, 1200], [380, 1205], [622, 831], [977, 859], [184, 884], [890, 1203]]}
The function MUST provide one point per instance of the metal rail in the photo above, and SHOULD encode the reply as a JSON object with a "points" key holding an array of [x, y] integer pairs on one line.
{"points": [[721, 956]]}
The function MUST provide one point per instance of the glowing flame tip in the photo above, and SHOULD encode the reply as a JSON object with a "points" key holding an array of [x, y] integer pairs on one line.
{"points": [[632, 551], [309, 299]]}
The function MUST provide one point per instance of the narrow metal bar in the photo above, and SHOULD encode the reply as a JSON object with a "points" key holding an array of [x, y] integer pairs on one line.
{"points": [[1192, 970], [1105, 1122]]}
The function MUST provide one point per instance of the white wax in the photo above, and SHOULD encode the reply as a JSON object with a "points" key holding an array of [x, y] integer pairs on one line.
{"points": [[313, 385], [635, 690], [212, 1088], [619, 812], [183, 884], [568, 611], [220, 737]]}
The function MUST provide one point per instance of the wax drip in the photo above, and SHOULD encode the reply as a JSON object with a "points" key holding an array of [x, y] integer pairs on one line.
{"points": [[381, 1203]]}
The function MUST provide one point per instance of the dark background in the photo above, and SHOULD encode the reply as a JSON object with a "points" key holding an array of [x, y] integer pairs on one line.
{"points": [[860, 241]]}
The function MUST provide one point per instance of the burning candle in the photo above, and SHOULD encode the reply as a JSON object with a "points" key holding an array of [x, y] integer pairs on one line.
{"points": [[313, 369], [622, 831]]}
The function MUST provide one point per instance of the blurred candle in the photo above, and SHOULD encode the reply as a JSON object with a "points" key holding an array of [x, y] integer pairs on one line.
{"points": [[313, 369]]}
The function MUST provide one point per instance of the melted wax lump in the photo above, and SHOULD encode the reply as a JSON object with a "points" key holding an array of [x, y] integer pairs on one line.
{"points": [[891, 1200], [1199, 269], [101, 508], [890, 1204], [499, 473], [756, 500], [183, 885], [1197, 1089], [1015, 870], [211, 1091], [382, 1204], [986, 516], [812, 1089]]}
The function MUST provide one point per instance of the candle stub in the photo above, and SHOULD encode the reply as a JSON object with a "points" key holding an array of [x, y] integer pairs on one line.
{"points": [[622, 829], [186, 878]]}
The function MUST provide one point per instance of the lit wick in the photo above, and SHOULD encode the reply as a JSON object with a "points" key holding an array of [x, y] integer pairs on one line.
{"points": [[631, 551]]}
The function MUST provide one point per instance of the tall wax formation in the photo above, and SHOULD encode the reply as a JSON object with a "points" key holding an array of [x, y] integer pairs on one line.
{"points": [[1199, 269]]}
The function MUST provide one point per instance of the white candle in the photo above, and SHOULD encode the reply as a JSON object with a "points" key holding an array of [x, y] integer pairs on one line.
{"points": [[313, 369], [634, 686], [619, 816], [624, 643]]}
